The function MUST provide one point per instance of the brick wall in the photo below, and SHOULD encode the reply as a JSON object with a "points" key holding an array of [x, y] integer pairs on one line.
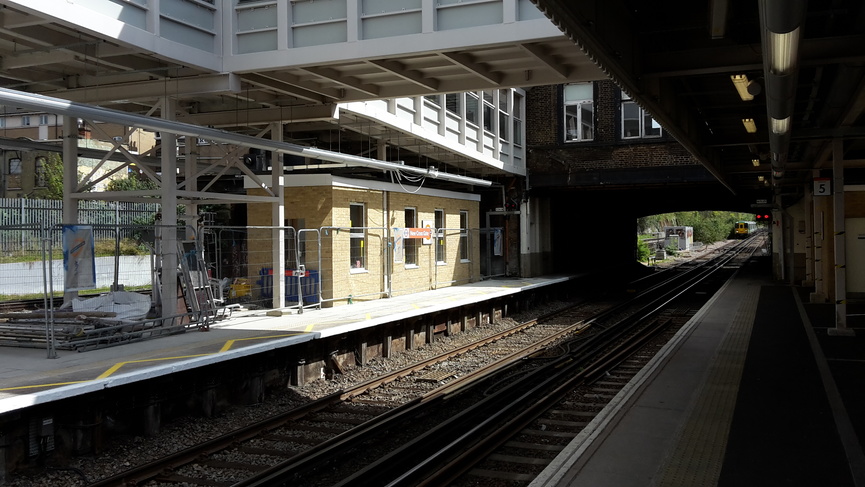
{"points": [[549, 154], [330, 207], [429, 274]]}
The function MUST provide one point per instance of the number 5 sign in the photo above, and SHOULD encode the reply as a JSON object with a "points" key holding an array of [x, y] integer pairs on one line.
{"points": [[822, 187]]}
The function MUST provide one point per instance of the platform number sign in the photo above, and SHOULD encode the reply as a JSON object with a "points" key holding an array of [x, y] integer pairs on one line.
{"points": [[822, 187]]}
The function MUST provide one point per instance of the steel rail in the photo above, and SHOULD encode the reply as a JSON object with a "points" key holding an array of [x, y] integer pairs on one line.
{"points": [[144, 472], [514, 397]]}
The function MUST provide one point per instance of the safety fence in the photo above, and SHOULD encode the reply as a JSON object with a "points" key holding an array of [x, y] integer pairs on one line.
{"points": [[337, 265], [87, 294], [220, 268]]}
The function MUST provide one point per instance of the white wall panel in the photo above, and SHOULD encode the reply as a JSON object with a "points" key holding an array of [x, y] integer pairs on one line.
{"points": [[126, 12], [391, 25]]}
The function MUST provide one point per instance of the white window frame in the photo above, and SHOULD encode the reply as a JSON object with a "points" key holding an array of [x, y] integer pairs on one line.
{"points": [[575, 111], [410, 245], [465, 254], [439, 238], [489, 112], [454, 103], [516, 117], [643, 120], [357, 234], [471, 98]]}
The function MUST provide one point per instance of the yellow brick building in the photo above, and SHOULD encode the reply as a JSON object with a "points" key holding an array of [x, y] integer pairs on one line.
{"points": [[350, 234]]}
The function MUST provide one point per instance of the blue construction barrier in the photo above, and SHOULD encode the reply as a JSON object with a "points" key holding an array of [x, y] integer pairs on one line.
{"points": [[309, 285]]}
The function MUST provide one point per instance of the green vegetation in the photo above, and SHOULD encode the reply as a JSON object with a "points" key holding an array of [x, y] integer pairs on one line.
{"points": [[132, 182], [643, 251], [83, 294], [128, 246], [52, 172], [709, 226]]}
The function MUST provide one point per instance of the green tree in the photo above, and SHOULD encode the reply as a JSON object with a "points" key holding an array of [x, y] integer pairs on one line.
{"points": [[132, 182], [643, 251], [52, 171]]}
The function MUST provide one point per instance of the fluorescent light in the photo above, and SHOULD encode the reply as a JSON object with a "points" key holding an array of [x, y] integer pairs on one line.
{"points": [[749, 124], [783, 51], [740, 81], [780, 127], [755, 162]]}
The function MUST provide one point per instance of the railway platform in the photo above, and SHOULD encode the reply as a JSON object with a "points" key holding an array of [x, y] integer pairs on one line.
{"points": [[755, 390], [28, 378]]}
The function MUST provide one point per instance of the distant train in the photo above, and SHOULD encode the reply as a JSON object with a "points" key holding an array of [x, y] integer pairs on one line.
{"points": [[743, 229]]}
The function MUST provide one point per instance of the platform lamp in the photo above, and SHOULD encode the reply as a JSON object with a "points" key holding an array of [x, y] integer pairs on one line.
{"points": [[746, 88]]}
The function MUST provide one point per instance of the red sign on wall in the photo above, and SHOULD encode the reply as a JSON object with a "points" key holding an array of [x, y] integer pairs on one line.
{"points": [[418, 233]]}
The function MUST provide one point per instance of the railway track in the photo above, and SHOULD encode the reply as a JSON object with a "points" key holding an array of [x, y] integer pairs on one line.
{"points": [[233, 456], [320, 429], [443, 438]]}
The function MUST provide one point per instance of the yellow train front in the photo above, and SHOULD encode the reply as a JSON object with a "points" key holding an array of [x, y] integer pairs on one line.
{"points": [[743, 229]]}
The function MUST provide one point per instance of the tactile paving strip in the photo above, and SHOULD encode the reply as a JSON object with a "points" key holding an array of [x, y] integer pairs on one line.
{"points": [[699, 454]]}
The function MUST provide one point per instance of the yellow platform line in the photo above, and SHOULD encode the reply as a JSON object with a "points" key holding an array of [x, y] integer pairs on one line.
{"points": [[230, 343], [56, 384], [114, 368], [227, 346]]}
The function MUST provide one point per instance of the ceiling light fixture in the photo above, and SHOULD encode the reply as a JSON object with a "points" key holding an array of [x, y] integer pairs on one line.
{"points": [[740, 81], [750, 126], [761, 178], [783, 51], [780, 127], [755, 162]]}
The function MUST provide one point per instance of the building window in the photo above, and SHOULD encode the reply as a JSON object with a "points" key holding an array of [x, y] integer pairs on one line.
{"points": [[15, 165], [517, 117], [504, 112], [41, 177], [25, 121], [464, 236], [579, 101], [357, 213], [434, 99], [489, 111], [453, 102], [441, 256], [472, 108], [636, 123], [43, 119], [410, 244]]}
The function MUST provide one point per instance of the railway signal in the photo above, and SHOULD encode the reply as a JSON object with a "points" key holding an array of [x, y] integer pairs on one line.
{"points": [[763, 217]]}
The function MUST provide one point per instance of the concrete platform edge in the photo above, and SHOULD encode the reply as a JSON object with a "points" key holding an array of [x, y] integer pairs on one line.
{"points": [[589, 439]]}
